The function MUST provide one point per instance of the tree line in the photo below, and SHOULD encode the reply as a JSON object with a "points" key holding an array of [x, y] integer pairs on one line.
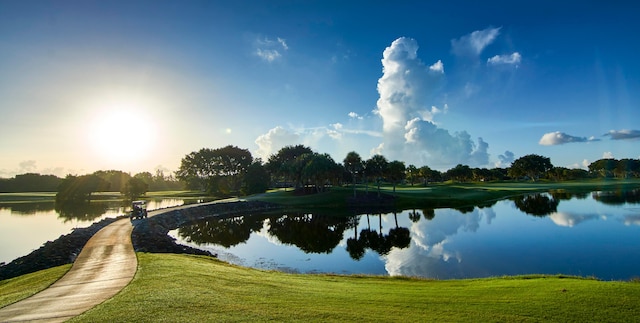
{"points": [[232, 170]]}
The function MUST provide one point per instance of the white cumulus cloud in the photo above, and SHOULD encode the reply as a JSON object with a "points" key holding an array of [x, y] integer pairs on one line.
{"points": [[406, 88], [354, 115], [437, 67], [513, 59], [273, 140], [561, 138], [474, 43]]}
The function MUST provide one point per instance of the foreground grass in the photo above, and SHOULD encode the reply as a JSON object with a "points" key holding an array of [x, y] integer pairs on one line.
{"points": [[180, 288], [15, 289]]}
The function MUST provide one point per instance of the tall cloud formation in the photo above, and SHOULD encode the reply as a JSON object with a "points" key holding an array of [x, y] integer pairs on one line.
{"points": [[561, 138], [406, 88]]}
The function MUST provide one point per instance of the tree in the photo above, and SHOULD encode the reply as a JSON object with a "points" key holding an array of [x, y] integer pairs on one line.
{"points": [[320, 168], [603, 167], [215, 170], [80, 188], [282, 164], [134, 188], [117, 179], [30, 182], [395, 173], [412, 174], [429, 175], [376, 168], [256, 180], [353, 164], [532, 166], [461, 173]]}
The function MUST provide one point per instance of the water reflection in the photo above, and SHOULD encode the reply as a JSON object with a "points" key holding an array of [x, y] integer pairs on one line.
{"points": [[26, 209], [555, 232], [224, 232], [81, 210], [618, 197], [25, 226]]}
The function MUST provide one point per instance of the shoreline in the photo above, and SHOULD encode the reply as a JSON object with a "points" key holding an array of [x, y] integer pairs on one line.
{"points": [[149, 235]]}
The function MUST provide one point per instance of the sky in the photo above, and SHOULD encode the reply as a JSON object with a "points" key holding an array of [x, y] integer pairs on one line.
{"points": [[137, 85]]}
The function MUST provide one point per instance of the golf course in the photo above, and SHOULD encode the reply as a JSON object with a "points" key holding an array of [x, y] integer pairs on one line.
{"points": [[188, 288]]}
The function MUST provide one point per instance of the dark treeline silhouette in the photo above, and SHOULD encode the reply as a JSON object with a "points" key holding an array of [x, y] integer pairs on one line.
{"points": [[233, 171], [116, 181], [30, 182]]}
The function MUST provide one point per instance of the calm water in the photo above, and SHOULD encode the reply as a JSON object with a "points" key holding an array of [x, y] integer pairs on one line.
{"points": [[590, 235], [24, 227]]}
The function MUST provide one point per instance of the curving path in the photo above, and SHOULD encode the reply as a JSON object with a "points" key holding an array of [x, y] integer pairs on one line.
{"points": [[106, 264]]}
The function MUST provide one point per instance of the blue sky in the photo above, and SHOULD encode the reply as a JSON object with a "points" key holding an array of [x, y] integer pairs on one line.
{"points": [[137, 85]]}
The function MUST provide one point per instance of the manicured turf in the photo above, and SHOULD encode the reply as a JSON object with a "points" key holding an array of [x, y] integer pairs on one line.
{"points": [[180, 288], [15, 289], [441, 195]]}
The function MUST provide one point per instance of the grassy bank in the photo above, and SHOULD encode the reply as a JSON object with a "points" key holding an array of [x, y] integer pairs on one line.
{"points": [[15, 289], [179, 288], [441, 195]]}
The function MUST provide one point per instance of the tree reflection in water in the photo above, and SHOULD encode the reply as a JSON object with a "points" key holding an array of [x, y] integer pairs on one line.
{"points": [[398, 237], [28, 208], [309, 232], [536, 204], [226, 232], [617, 197], [80, 210]]}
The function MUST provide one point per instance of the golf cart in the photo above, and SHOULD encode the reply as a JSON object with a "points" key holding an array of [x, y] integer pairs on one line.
{"points": [[138, 210]]}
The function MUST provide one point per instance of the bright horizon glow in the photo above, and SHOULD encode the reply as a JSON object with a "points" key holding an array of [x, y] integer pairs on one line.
{"points": [[433, 84]]}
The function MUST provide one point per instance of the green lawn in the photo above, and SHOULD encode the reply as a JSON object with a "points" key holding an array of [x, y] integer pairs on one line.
{"points": [[181, 288], [441, 195], [15, 289]]}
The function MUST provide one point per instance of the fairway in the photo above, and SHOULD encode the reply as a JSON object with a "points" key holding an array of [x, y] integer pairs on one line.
{"points": [[179, 288]]}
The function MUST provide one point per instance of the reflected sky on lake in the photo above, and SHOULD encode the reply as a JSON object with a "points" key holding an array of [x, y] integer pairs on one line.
{"points": [[580, 237]]}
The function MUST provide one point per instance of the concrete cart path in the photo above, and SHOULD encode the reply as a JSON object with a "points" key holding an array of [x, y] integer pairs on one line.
{"points": [[106, 264]]}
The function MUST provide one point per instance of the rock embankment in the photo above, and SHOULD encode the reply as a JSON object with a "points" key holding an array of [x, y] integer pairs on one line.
{"points": [[149, 235], [61, 251]]}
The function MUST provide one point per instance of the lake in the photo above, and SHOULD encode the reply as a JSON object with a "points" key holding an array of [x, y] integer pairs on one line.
{"points": [[595, 234], [25, 227]]}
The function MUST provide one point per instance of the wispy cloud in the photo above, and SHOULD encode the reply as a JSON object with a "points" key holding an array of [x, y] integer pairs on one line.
{"points": [[561, 138], [512, 59], [474, 43], [623, 134], [269, 49]]}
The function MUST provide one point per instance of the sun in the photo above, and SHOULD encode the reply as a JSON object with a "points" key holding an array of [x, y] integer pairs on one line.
{"points": [[122, 134]]}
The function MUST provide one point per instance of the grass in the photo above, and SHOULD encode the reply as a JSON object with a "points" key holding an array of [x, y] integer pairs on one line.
{"points": [[15, 289], [441, 195], [181, 288]]}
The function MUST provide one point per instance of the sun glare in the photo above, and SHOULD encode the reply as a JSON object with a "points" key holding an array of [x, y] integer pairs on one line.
{"points": [[122, 134]]}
